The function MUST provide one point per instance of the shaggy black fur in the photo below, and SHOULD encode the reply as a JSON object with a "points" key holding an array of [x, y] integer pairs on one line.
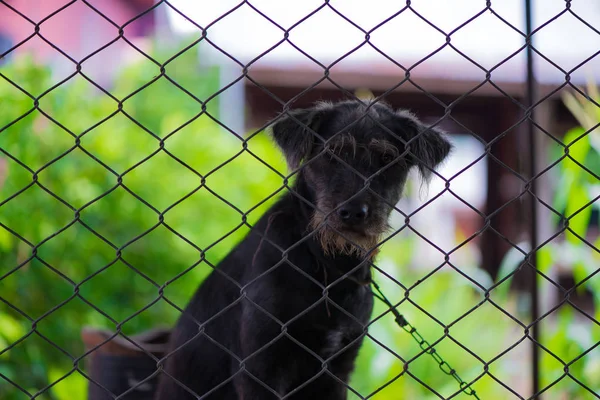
{"points": [[260, 327]]}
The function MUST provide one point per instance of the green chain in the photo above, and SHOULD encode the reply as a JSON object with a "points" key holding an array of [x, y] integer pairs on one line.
{"points": [[424, 345]]}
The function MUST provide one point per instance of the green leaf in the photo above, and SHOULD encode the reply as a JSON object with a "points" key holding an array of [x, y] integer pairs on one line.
{"points": [[6, 239], [72, 387], [578, 212], [561, 197], [12, 330], [578, 144], [545, 259], [580, 272]]}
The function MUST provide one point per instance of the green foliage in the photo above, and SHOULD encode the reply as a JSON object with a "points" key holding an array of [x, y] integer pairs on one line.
{"points": [[446, 296], [579, 170], [93, 240], [74, 231], [568, 336]]}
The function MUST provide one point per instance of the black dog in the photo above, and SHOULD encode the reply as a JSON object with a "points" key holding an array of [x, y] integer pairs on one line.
{"points": [[284, 314]]}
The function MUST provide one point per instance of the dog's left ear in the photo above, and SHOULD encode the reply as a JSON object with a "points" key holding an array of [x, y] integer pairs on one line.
{"points": [[429, 145], [293, 135]]}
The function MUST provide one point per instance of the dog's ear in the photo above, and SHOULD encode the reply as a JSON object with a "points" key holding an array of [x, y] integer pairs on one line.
{"points": [[429, 145], [293, 135]]}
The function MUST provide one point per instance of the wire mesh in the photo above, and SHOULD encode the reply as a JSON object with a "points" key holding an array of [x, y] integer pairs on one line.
{"points": [[32, 251]]}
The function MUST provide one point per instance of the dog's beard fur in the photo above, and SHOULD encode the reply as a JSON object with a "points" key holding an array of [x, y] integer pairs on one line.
{"points": [[338, 241]]}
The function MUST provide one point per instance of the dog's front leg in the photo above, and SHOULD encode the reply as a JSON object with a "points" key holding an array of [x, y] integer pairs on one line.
{"points": [[275, 366], [247, 388], [265, 370]]}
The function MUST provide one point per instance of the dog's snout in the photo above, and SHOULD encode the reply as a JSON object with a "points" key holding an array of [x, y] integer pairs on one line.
{"points": [[353, 213]]}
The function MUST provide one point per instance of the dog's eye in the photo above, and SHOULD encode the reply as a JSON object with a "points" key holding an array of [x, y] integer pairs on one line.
{"points": [[387, 158]]}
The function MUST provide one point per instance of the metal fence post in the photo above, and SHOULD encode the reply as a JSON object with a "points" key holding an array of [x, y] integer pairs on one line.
{"points": [[530, 99]]}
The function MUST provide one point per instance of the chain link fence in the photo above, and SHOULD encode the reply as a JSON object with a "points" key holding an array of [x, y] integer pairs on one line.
{"points": [[127, 175]]}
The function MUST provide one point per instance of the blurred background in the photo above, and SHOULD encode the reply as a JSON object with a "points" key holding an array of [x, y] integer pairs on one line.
{"points": [[128, 161]]}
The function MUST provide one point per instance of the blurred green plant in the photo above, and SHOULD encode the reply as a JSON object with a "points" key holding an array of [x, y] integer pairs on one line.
{"points": [[583, 144], [77, 211], [568, 335], [74, 208], [94, 237]]}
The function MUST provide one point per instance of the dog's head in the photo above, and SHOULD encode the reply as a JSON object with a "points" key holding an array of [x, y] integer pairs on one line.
{"points": [[355, 160]]}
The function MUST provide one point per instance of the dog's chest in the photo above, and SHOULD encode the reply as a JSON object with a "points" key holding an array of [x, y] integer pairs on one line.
{"points": [[335, 324], [346, 322], [336, 341]]}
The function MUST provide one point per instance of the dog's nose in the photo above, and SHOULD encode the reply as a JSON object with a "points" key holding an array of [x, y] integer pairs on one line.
{"points": [[353, 212]]}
